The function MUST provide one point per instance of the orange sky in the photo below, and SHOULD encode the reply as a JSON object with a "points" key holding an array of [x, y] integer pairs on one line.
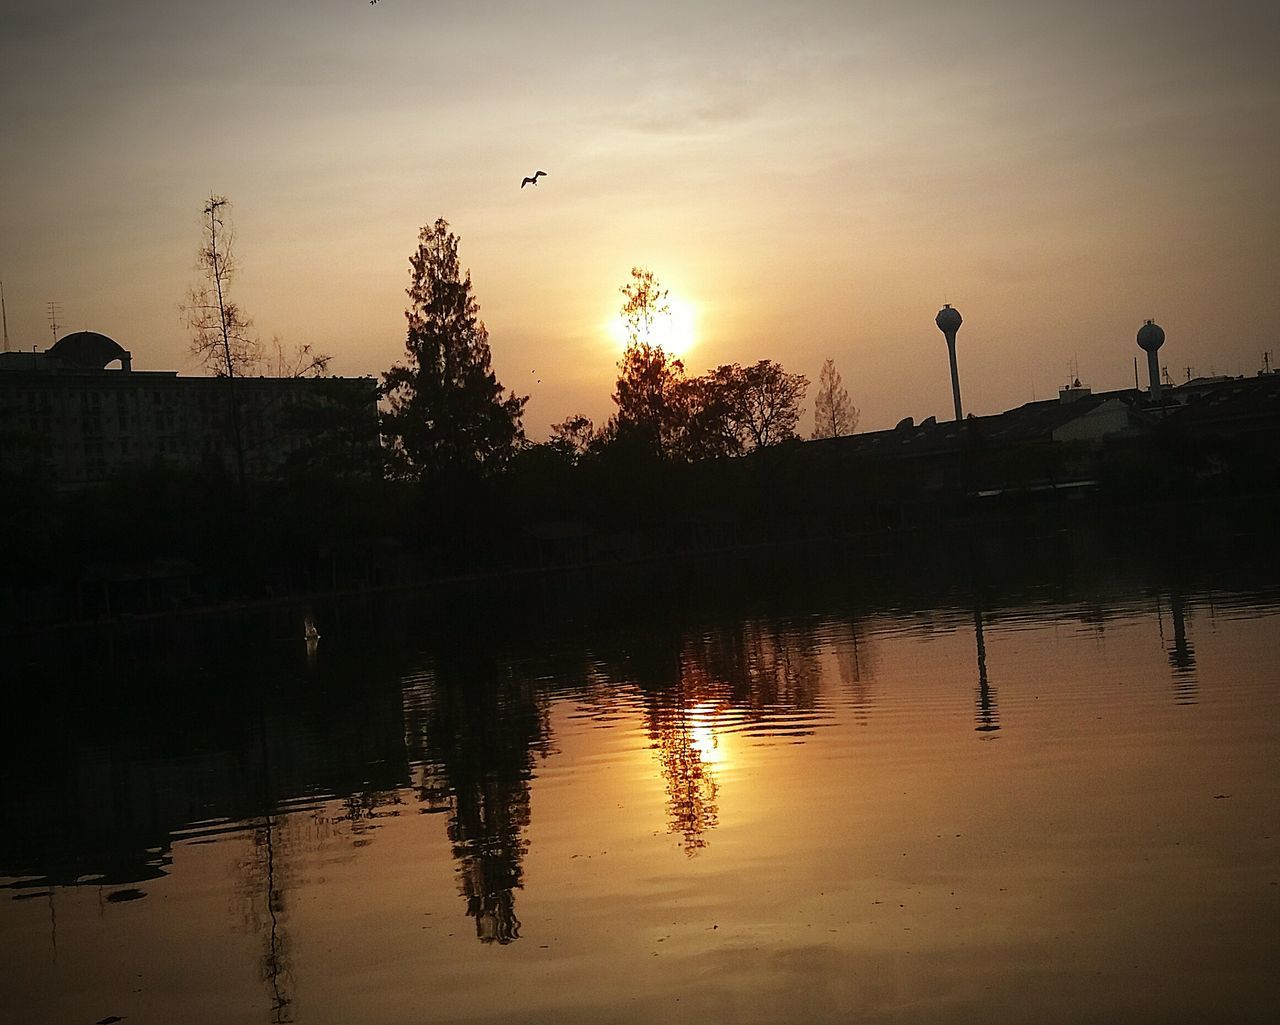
{"points": [[815, 179]]}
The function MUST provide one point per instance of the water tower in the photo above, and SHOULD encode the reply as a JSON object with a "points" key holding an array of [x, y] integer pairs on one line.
{"points": [[1150, 338], [949, 321]]}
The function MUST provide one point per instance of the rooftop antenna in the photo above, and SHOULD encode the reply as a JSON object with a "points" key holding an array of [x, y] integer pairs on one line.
{"points": [[1266, 361], [55, 307], [4, 315]]}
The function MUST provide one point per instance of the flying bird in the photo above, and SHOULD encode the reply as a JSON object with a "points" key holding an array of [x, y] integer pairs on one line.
{"points": [[533, 180]]}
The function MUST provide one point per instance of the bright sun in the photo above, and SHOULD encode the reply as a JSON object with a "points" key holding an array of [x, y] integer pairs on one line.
{"points": [[673, 331]]}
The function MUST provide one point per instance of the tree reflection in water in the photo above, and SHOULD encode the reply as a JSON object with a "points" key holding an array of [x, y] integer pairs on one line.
{"points": [[752, 678], [263, 876], [475, 727], [684, 738]]}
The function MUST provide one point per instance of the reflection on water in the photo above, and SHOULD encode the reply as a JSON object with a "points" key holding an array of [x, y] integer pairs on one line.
{"points": [[988, 718], [686, 746], [1182, 653], [354, 799], [263, 882], [473, 728]]}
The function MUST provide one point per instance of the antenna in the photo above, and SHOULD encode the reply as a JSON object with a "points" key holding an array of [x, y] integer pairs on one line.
{"points": [[1136, 386], [1266, 361], [4, 315], [55, 308]]}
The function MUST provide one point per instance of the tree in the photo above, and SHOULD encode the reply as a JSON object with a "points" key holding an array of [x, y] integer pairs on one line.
{"points": [[765, 402], [221, 338], [297, 360], [708, 428], [220, 332], [573, 436], [648, 392], [833, 414], [446, 411], [734, 409], [646, 301]]}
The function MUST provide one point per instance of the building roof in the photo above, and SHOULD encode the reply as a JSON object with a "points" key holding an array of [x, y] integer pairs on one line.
{"points": [[87, 350], [1236, 402]]}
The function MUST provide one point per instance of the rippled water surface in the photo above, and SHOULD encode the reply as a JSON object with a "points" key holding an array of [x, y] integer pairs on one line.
{"points": [[1054, 805]]}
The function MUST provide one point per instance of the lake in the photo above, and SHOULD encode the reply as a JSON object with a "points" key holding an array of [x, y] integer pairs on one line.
{"points": [[1025, 782]]}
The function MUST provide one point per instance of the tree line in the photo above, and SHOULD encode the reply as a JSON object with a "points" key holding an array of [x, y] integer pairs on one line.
{"points": [[446, 413], [444, 479]]}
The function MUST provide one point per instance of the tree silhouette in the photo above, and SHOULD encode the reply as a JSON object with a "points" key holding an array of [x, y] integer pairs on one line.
{"points": [[447, 413], [573, 436], [833, 414], [221, 339], [648, 392], [764, 401], [646, 301]]}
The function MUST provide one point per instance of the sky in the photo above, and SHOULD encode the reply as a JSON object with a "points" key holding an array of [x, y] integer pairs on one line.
{"points": [[810, 181]]}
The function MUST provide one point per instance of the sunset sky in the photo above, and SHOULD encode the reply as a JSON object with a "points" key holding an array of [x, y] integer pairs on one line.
{"points": [[814, 180]]}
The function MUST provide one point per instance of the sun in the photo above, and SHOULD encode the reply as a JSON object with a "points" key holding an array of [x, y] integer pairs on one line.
{"points": [[674, 331]]}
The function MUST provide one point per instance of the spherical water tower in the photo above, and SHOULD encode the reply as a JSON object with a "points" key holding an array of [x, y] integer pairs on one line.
{"points": [[1150, 338], [949, 321]]}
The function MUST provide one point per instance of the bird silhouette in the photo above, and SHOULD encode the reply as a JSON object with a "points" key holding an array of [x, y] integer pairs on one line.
{"points": [[532, 180]]}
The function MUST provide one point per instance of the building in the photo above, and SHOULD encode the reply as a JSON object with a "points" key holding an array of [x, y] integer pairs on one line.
{"points": [[69, 407], [1064, 444]]}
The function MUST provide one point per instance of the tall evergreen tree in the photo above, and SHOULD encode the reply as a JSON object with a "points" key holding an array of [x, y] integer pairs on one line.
{"points": [[446, 411]]}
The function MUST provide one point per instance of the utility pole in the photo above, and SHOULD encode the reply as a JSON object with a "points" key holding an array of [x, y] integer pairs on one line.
{"points": [[4, 315]]}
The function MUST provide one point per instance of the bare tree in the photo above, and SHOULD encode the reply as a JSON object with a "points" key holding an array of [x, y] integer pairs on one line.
{"points": [[221, 333], [833, 414], [297, 360], [222, 337]]}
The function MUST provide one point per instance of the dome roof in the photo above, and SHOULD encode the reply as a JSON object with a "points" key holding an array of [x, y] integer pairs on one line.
{"points": [[88, 350]]}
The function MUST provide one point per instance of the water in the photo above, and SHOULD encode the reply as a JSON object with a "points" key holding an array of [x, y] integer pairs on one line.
{"points": [[788, 796]]}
